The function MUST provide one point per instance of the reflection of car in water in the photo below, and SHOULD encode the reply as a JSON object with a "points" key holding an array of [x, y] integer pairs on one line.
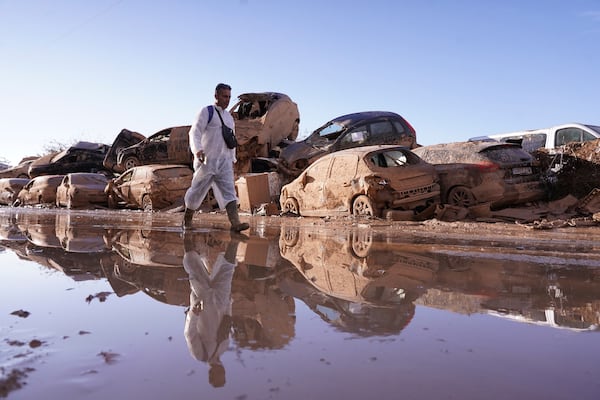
{"points": [[360, 297], [352, 269]]}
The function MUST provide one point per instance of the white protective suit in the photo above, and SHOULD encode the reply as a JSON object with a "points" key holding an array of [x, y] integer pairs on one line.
{"points": [[217, 169]]}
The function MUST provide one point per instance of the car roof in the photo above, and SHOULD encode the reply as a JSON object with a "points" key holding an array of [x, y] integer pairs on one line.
{"points": [[475, 146], [262, 95], [350, 119]]}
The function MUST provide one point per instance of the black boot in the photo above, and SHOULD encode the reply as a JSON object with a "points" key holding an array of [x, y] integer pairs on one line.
{"points": [[234, 218], [187, 218]]}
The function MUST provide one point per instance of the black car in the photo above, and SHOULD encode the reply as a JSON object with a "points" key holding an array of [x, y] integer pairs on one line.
{"points": [[81, 157], [351, 130]]}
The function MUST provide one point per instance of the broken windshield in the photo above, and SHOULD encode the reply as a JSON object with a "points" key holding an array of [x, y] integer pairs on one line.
{"points": [[326, 133]]}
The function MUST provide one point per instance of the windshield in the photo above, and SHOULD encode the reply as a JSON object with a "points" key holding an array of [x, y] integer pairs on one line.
{"points": [[594, 128], [326, 133]]}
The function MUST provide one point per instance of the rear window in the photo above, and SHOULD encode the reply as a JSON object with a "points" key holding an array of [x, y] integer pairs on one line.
{"points": [[508, 154]]}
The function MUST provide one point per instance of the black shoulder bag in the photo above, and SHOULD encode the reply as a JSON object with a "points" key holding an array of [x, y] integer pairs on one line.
{"points": [[228, 134]]}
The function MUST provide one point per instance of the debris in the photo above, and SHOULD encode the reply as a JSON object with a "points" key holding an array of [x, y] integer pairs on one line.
{"points": [[20, 313]]}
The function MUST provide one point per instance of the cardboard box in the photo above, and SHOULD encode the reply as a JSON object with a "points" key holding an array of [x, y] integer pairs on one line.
{"points": [[253, 190]]}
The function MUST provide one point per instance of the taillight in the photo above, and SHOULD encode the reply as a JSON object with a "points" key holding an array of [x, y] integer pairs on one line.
{"points": [[486, 166]]}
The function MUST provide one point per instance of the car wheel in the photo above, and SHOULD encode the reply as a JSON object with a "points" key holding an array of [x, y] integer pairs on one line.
{"points": [[291, 205], [361, 243], [290, 235], [23, 176], [131, 162], [461, 196], [362, 206], [146, 203]]}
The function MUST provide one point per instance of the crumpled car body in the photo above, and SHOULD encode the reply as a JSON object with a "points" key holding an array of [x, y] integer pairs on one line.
{"points": [[362, 181], [262, 121], [149, 187], [476, 172], [10, 188], [81, 157], [39, 190], [347, 131], [124, 139], [82, 189], [20, 170], [168, 146]]}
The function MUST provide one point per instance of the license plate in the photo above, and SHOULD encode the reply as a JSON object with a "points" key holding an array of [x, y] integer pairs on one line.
{"points": [[521, 171]]}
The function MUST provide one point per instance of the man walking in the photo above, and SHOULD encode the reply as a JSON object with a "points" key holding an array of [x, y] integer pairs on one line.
{"points": [[213, 160]]}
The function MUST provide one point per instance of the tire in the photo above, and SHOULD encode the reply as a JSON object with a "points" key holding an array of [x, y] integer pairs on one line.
{"points": [[291, 205], [363, 206], [461, 196], [290, 235], [131, 162], [147, 203], [361, 243]]}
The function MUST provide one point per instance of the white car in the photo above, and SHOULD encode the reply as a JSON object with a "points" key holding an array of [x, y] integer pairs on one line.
{"points": [[549, 138]]}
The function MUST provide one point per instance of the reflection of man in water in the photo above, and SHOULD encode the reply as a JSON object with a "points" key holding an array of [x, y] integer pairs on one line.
{"points": [[208, 321]]}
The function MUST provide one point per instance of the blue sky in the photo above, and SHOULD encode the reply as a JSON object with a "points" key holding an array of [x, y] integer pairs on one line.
{"points": [[84, 70]]}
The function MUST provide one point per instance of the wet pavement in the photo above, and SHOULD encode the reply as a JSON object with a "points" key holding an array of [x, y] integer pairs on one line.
{"points": [[120, 304]]}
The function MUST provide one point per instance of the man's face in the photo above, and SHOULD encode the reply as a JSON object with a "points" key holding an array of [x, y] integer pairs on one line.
{"points": [[223, 96]]}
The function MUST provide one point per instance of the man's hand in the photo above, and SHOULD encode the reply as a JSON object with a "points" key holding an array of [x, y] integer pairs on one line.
{"points": [[200, 156]]}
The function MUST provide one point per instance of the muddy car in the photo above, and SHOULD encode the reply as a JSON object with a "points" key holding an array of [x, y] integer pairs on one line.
{"points": [[124, 139], [370, 180], [82, 189], [149, 187], [20, 170], [168, 146], [348, 131], [475, 172], [39, 190], [81, 157], [262, 122], [10, 188]]}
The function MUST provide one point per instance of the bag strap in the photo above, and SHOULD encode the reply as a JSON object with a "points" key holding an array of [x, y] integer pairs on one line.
{"points": [[219, 114], [211, 111]]}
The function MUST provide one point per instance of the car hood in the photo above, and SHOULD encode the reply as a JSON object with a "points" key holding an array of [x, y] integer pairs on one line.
{"points": [[300, 150]]}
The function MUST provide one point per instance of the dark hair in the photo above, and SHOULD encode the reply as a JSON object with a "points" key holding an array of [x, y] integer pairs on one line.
{"points": [[222, 86]]}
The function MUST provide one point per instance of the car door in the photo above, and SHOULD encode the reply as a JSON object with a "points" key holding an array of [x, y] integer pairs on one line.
{"points": [[338, 187], [313, 198]]}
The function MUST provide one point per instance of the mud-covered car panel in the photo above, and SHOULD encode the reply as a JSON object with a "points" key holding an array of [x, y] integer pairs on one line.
{"points": [[362, 181], [10, 188], [262, 121], [124, 139], [474, 172], [168, 146], [149, 187], [81, 157], [39, 190], [21, 170], [82, 189], [347, 131]]}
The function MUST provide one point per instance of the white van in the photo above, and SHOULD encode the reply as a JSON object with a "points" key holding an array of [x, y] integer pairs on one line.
{"points": [[550, 138]]}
